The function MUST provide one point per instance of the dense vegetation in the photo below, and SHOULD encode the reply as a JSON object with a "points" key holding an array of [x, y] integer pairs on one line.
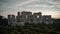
{"points": [[39, 28]]}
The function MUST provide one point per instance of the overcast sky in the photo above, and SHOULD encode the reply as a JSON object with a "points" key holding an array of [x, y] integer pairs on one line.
{"points": [[47, 7]]}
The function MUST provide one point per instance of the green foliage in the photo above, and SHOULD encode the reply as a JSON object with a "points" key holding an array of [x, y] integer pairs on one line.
{"points": [[34, 29]]}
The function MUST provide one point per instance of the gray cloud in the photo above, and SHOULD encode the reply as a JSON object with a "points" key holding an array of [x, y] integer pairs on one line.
{"points": [[28, 3], [36, 5]]}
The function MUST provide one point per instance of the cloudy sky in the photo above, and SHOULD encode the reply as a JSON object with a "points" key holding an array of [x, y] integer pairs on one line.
{"points": [[47, 7]]}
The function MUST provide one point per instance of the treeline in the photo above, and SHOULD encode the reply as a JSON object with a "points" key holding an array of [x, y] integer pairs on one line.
{"points": [[3, 21]]}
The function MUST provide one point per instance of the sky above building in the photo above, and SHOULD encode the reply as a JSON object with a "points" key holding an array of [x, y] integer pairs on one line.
{"points": [[47, 7]]}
